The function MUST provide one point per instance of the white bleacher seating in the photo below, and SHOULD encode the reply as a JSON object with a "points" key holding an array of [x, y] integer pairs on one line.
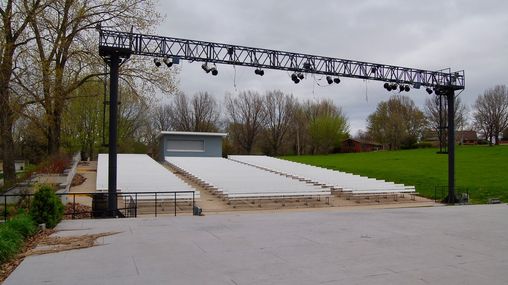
{"points": [[140, 173], [237, 180], [338, 180]]}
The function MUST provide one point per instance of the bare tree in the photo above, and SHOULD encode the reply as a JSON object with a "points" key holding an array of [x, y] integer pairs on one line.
{"points": [[200, 114], [278, 109], [245, 115], [16, 16], [181, 116], [435, 121], [162, 117], [205, 112], [491, 112]]}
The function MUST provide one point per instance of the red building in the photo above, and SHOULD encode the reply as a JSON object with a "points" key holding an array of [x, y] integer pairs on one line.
{"points": [[352, 145], [466, 137]]}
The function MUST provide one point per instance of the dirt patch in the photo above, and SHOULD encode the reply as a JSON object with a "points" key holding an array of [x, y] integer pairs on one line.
{"points": [[52, 244], [78, 179]]}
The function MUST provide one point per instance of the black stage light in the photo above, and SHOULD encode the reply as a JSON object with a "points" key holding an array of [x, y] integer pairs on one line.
{"points": [[167, 62], [204, 66], [429, 90], [406, 88], [300, 76], [329, 79], [157, 62], [336, 80]]}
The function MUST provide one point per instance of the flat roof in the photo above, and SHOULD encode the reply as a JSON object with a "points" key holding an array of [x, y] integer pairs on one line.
{"points": [[192, 134]]}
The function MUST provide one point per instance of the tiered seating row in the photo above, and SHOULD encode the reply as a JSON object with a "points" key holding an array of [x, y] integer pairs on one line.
{"points": [[235, 180], [337, 180], [140, 173]]}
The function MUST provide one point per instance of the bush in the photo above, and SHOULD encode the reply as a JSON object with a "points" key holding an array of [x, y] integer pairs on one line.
{"points": [[13, 233], [46, 207], [56, 163], [10, 242], [23, 224], [424, 145]]}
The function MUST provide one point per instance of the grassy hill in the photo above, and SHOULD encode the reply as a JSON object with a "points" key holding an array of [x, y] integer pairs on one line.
{"points": [[482, 170]]}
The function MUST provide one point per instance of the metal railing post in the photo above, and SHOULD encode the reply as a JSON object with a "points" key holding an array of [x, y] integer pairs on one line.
{"points": [[136, 207], [73, 205], [156, 204], [175, 204], [5, 208]]}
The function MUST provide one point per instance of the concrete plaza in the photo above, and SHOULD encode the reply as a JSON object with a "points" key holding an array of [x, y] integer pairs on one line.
{"points": [[433, 245]]}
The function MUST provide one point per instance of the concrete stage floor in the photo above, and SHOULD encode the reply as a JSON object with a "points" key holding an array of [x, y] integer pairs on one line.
{"points": [[435, 245]]}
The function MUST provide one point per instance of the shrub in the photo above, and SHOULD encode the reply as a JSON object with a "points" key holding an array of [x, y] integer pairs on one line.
{"points": [[23, 224], [56, 163], [13, 233], [424, 145], [46, 207], [10, 242]]}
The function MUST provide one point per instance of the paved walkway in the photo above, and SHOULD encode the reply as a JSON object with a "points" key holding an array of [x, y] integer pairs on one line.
{"points": [[437, 245]]}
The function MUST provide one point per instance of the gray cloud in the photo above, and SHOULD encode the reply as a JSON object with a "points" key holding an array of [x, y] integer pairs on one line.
{"points": [[470, 35]]}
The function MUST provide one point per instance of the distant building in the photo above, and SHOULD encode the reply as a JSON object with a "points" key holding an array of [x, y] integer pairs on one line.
{"points": [[200, 144], [352, 145], [461, 137], [466, 137], [19, 165]]}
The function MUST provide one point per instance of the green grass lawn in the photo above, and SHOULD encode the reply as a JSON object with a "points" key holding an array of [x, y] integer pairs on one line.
{"points": [[482, 170]]}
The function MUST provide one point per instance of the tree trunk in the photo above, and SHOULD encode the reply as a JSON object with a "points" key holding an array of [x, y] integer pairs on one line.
{"points": [[54, 131], [7, 115], [7, 142]]}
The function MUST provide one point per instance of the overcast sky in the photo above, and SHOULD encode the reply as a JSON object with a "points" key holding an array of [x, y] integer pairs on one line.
{"points": [[467, 35]]}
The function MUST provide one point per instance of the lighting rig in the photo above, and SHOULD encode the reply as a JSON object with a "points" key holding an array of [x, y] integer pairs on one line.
{"points": [[115, 46]]}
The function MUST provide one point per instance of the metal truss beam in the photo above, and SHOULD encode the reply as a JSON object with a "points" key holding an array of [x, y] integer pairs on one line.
{"points": [[114, 46], [193, 50]]}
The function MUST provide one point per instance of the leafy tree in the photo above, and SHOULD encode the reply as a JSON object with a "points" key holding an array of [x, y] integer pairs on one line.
{"points": [[15, 17], [64, 55], [396, 122], [326, 126], [82, 127], [326, 132]]}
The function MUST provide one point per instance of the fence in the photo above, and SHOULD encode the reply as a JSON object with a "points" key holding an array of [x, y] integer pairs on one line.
{"points": [[130, 204]]}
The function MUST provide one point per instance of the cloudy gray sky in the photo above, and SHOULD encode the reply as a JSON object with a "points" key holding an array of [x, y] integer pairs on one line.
{"points": [[468, 35]]}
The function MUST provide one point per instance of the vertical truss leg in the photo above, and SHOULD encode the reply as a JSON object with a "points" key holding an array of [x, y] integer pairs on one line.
{"points": [[114, 63], [450, 94]]}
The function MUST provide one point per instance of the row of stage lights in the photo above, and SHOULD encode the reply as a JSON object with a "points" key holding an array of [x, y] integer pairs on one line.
{"points": [[296, 77], [401, 87], [167, 61]]}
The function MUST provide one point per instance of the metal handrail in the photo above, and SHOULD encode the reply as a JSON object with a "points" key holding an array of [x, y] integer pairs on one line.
{"points": [[129, 208]]}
